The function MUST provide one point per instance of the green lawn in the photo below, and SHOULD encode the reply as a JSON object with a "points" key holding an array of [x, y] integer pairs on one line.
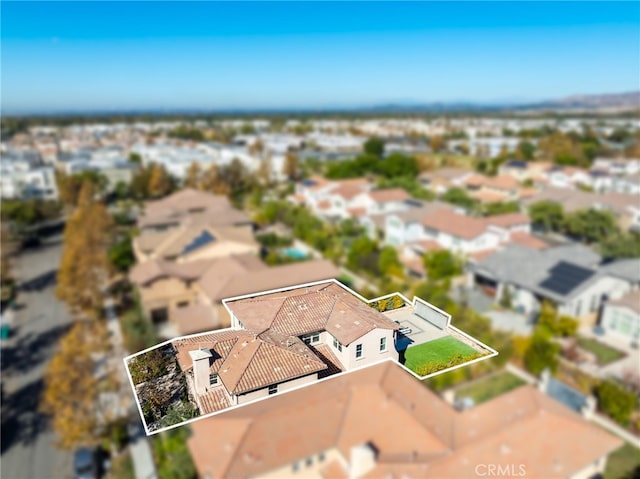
{"points": [[604, 354], [623, 463], [437, 355], [490, 387]]}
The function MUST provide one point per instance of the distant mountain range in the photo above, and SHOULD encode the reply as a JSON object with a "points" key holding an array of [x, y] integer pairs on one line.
{"points": [[608, 102], [614, 101]]}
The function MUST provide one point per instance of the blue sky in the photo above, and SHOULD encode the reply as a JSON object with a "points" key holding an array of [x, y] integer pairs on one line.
{"points": [[153, 55]]}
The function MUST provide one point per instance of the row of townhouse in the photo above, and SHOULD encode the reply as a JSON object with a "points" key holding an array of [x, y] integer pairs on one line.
{"points": [[487, 189], [605, 176], [23, 175]]}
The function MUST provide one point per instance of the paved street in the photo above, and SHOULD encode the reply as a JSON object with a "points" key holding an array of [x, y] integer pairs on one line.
{"points": [[28, 449]]}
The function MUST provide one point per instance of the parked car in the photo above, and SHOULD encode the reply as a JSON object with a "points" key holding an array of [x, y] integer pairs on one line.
{"points": [[89, 463]]}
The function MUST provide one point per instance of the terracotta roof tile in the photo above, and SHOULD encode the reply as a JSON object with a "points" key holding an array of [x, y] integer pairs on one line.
{"points": [[416, 433], [389, 194], [455, 224]]}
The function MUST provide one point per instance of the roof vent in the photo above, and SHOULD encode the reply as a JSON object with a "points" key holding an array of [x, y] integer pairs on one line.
{"points": [[356, 322]]}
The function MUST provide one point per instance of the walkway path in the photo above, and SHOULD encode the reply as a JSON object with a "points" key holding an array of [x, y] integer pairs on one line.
{"points": [[139, 447]]}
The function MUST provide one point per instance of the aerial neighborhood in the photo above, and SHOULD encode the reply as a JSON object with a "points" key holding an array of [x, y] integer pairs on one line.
{"points": [[473, 282]]}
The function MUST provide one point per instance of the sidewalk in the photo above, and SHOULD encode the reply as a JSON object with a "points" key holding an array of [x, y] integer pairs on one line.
{"points": [[139, 446]]}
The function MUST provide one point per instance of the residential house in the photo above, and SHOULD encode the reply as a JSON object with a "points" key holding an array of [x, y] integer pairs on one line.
{"points": [[492, 189], [621, 317], [523, 170], [23, 175], [381, 422], [191, 225], [443, 179], [570, 276], [185, 297], [625, 207], [284, 339], [352, 198]]}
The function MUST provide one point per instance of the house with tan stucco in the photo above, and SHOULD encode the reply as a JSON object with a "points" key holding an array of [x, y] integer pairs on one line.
{"points": [[284, 339]]}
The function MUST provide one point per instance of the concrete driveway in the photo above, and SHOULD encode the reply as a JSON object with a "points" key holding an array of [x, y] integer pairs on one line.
{"points": [[28, 449]]}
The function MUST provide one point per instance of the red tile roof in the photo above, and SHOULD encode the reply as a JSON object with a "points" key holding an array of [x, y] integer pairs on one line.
{"points": [[415, 433]]}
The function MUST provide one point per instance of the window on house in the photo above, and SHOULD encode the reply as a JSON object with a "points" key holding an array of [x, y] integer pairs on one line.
{"points": [[358, 350], [309, 461], [321, 457], [315, 338], [383, 344], [182, 304], [295, 466], [273, 389], [213, 379], [594, 303]]}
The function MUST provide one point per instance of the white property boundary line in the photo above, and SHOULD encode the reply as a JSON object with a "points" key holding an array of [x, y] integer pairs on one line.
{"points": [[416, 300]]}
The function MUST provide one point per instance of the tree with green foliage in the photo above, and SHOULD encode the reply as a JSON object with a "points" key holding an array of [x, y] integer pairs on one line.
{"points": [[525, 150], [135, 158], [147, 366], [388, 262], [547, 215], [622, 245], [541, 354], [121, 253], [590, 225], [374, 146], [500, 208], [172, 455], [459, 197], [363, 255], [441, 264], [436, 293], [506, 297], [616, 401], [29, 212]]}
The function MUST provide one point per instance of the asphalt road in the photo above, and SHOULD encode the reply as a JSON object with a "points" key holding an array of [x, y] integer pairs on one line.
{"points": [[28, 444]]}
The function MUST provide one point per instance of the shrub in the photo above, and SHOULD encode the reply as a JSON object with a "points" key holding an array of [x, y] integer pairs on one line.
{"points": [[615, 401]]}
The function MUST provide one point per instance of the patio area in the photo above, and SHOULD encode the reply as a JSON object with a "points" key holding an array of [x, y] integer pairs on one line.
{"points": [[421, 330]]}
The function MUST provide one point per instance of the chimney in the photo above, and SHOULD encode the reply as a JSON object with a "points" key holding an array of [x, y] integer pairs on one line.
{"points": [[201, 362], [363, 460], [543, 382], [589, 407]]}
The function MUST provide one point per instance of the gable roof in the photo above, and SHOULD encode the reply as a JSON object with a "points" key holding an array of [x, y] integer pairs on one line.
{"points": [[189, 205], [455, 224], [389, 194], [415, 433], [541, 270], [325, 306], [246, 361]]}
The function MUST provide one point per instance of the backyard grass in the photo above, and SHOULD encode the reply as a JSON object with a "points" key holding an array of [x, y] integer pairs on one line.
{"points": [[604, 354], [490, 387], [437, 355], [623, 463]]}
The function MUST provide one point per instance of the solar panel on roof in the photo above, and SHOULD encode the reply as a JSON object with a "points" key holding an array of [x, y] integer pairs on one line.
{"points": [[202, 239], [565, 277]]}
